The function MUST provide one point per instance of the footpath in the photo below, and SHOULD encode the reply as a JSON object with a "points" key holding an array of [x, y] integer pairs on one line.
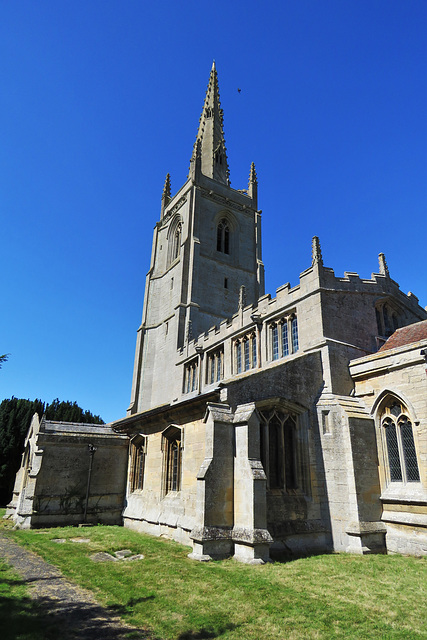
{"points": [[74, 610]]}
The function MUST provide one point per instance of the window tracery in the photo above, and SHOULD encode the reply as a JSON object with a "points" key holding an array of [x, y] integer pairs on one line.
{"points": [[190, 377], [223, 236], [398, 438], [278, 448], [215, 366], [174, 240], [245, 352], [283, 337]]}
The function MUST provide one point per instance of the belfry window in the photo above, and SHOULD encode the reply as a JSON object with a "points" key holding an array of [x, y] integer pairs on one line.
{"points": [[398, 438], [176, 242], [278, 448], [137, 463], [172, 452], [223, 237]]}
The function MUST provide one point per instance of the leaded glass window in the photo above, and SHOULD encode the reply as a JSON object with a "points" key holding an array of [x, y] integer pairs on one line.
{"points": [[294, 328], [278, 448], [238, 357], [172, 459], [275, 341], [137, 463], [285, 341], [247, 354], [401, 453]]}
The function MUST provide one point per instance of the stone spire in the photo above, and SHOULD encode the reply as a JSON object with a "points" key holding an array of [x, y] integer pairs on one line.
{"points": [[166, 195], [383, 265], [214, 163], [316, 252], [253, 186]]}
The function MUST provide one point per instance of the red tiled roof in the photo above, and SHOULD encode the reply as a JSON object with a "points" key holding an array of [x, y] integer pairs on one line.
{"points": [[406, 335]]}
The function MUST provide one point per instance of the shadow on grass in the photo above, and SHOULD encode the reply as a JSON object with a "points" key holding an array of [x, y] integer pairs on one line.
{"points": [[49, 619], [205, 634]]}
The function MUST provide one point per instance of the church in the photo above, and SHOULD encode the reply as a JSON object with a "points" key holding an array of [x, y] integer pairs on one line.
{"points": [[257, 425]]}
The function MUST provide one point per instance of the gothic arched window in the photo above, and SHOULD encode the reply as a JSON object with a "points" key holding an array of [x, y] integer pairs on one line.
{"points": [[278, 448], [137, 463], [172, 448], [176, 241], [398, 437], [223, 236]]}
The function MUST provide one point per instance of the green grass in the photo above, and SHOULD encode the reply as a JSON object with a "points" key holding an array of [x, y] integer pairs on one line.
{"points": [[321, 597]]}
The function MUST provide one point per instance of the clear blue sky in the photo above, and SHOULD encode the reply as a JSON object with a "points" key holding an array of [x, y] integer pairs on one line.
{"points": [[100, 99]]}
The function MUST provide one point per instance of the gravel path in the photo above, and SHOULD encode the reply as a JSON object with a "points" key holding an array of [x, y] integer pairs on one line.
{"points": [[72, 609]]}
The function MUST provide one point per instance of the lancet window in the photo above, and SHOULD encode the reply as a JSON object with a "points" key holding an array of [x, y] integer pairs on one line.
{"points": [[398, 438], [172, 452], [190, 376], [223, 236], [245, 352], [284, 337], [174, 242], [278, 448], [215, 366], [137, 462]]}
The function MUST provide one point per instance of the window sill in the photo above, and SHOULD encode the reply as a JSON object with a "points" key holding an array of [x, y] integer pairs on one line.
{"points": [[410, 492]]}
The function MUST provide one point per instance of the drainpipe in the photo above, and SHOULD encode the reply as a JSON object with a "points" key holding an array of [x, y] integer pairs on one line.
{"points": [[92, 450]]}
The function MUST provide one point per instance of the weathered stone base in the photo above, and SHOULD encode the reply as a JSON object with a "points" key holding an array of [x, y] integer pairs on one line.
{"points": [[211, 543], [366, 537], [177, 533]]}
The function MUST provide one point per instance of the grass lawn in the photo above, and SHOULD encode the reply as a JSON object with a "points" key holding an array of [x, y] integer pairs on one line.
{"points": [[321, 597]]}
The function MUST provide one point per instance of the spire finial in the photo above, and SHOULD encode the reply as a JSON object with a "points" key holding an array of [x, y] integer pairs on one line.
{"points": [[166, 194], [253, 185], [167, 187], [316, 252], [211, 134], [383, 265]]}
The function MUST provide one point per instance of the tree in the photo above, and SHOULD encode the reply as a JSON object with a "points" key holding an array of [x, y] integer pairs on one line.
{"points": [[4, 358], [15, 419]]}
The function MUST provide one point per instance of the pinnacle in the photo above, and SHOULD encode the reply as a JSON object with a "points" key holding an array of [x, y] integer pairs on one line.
{"points": [[167, 187], [252, 174], [316, 252], [383, 265]]}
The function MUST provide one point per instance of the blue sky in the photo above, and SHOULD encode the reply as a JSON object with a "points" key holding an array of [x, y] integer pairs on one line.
{"points": [[100, 99]]}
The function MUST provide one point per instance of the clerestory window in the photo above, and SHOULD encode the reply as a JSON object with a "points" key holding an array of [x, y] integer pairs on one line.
{"points": [[283, 337], [398, 437], [223, 236], [215, 366], [245, 353], [190, 377]]}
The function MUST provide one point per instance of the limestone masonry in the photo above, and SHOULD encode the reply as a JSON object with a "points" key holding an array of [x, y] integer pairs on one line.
{"points": [[256, 425]]}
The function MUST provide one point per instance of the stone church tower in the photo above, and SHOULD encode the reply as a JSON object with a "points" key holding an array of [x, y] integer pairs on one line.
{"points": [[206, 246]]}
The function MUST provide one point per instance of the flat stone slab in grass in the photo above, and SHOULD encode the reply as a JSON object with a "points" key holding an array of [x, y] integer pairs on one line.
{"points": [[59, 540], [103, 556], [80, 540], [138, 556], [123, 553]]}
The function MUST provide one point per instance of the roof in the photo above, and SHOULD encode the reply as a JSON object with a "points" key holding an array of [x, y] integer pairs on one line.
{"points": [[406, 335]]}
